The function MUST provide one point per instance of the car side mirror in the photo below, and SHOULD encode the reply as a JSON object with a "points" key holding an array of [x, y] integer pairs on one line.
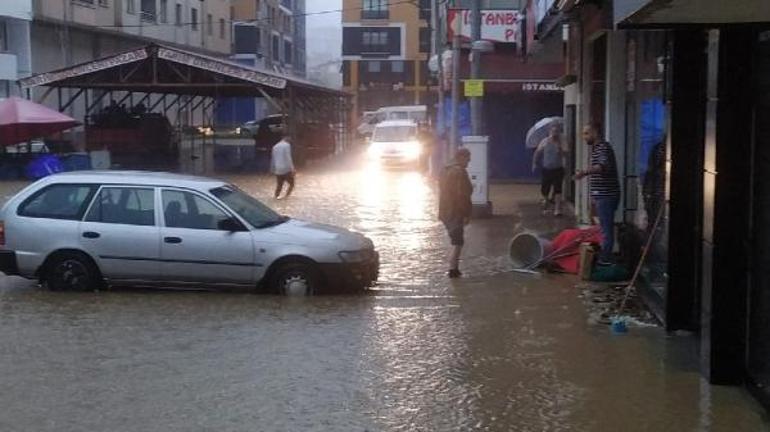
{"points": [[229, 224]]}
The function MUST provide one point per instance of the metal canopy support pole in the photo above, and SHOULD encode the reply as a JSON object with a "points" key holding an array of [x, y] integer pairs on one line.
{"points": [[272, 101], [44, 96], [158, 102], [71, 100], [58, 96], [96, 101]]}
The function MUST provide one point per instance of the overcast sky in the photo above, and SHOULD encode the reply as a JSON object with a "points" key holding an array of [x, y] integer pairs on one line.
{"points": [[324, 31]]}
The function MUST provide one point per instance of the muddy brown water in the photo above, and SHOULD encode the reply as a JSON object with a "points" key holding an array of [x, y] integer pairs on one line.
{"points": [[497, 351]]}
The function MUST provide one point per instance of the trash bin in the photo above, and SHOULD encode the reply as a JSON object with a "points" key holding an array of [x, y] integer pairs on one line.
{"points": [[527, 249]]}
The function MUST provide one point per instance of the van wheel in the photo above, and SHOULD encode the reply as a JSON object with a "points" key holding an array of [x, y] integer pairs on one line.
{"points": [[296, 279], [71, 271]]}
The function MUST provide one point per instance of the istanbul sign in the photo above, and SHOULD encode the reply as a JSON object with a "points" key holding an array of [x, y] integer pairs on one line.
{"points": [[502, 26]]}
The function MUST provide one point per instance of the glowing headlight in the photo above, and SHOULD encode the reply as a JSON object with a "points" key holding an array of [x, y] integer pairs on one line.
{"points": [[374, 151], [412, 150]]}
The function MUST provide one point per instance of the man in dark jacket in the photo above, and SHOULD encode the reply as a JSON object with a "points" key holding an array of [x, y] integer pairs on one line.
{"points": [[454, 208]]}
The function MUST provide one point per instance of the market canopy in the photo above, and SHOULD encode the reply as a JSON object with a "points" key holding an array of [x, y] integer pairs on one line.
{"points": [[167, 70]]}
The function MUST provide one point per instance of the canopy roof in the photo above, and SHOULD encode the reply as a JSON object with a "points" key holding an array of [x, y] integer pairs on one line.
{"points": [[168, 70]]}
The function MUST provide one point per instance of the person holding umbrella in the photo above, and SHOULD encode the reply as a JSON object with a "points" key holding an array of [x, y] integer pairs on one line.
{"points": [[550, 155]]}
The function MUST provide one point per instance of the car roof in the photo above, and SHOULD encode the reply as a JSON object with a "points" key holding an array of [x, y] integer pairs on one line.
{"points": [[403, 108], [141, 178], [388, 123]]}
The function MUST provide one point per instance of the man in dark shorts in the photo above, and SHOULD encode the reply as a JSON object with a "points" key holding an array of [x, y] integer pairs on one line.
{"points": [[550, 154], [454, 208]]}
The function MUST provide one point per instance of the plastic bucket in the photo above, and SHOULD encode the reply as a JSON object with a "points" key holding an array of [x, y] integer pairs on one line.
{"points": [[527, 249]]}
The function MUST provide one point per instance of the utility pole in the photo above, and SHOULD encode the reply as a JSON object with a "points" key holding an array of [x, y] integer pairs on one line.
{"points": [[476, 102], [455, 81], [434, 51]]}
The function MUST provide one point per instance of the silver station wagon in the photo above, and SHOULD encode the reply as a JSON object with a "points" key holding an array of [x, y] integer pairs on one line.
{"points": [[86, 230]]}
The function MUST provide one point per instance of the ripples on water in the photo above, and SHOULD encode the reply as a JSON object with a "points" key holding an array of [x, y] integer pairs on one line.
{"points": [[506, 352]]}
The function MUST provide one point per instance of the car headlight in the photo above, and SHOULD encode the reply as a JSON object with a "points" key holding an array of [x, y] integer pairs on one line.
{"points": [[356, 256], [412, 149], [374, 151]]}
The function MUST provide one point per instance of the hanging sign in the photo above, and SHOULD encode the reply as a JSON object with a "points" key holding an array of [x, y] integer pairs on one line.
{"points": [[501, 26], [474, 88]]}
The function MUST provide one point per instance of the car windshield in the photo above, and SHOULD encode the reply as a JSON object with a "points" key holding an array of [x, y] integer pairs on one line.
{"points": [[394, 133], [255, 213]]}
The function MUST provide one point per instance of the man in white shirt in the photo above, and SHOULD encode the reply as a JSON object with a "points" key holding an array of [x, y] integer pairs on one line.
{"points": [[282, 166]]}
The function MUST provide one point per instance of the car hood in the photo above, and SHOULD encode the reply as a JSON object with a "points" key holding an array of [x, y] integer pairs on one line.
{"points": [[304, 232]]}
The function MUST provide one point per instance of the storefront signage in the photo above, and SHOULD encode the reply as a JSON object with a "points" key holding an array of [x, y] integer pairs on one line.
{"points": [[501, 26], [474, 88], [84, 69], [540, 87], [224, 68]]}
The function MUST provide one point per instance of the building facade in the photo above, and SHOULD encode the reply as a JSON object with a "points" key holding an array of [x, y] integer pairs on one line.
{"points": [[385, 49], [65, 33], [682, 94], [267, 34], [15, 44]]}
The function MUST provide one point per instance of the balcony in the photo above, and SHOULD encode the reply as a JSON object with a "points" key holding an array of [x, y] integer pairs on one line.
{"points": [[375, 14]]}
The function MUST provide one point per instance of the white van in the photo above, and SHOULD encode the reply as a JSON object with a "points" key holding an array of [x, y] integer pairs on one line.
{"points": [[395, 142], [415, 113]]}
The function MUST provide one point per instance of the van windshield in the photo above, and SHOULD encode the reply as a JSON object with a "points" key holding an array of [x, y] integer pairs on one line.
{"points": [[394, 133]]}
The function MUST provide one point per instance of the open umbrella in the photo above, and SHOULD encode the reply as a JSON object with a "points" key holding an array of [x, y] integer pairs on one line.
{"points": [[22, 120], [540, 130]]}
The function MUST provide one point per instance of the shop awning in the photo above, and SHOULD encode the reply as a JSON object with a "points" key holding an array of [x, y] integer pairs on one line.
{"points": [[664, 13]]}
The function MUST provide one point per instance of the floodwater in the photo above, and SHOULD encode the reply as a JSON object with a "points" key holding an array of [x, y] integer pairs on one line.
{"points": [[496, 351]]}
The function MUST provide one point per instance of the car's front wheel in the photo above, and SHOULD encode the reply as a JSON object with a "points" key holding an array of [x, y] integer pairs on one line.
{"points": [[296, 279], [70, 271]]}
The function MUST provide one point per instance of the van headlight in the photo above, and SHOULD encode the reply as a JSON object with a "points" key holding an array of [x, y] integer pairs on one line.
{"points": [[356, 256], [374, 151], [412, 149]]}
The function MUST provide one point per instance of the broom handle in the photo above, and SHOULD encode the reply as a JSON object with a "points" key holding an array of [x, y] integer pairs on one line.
{"points": [[641, 258]]}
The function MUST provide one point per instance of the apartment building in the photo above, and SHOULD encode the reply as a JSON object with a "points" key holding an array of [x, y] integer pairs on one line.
{"points": [[385, 48], [68, 32], [270, 34], [15, 54]]}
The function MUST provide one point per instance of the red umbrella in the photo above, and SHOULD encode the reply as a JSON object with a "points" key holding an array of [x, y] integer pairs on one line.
{"points": [[22, 120]]}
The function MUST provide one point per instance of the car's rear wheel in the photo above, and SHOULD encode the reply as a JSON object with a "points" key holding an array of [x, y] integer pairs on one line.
{"points": [[71, 271], [296, 279]]}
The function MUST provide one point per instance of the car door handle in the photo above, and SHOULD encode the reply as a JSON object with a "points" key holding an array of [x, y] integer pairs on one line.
{"points": [[91, 235], [172, 240]]}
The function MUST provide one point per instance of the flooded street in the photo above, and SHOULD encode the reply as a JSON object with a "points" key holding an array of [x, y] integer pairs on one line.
{"points": [[495, 351]]}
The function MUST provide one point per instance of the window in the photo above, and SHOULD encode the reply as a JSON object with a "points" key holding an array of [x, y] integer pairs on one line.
{"points": [[222, 28], [425, 40], [377, 38], [276, 48], [287, 51], [3, 36], [209, 25], [104, 3], [374, 9], [187, 210], [374, 66], [130, 6], [124, 205], [253, 211], [194, 18], [397, 66], [60, 201], [149, 11], [164, 11], [425, 10], [178, 15]]}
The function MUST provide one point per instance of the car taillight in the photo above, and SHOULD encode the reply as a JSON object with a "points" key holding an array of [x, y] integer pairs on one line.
{"points": [[2, 233]]}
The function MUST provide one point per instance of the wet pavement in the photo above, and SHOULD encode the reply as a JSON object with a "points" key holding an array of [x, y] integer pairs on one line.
{"points": [[496, 351]]}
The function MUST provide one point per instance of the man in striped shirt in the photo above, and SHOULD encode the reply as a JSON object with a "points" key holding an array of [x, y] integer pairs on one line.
{"points": [[604, 187]]}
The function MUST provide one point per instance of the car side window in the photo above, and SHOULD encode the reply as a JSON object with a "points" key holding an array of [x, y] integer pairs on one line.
{"points": [[188, 210], [124, 205], [59, 201]]}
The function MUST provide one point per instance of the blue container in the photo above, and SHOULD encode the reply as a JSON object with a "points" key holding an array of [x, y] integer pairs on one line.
{"points": [[43, 165], [76, 162]]}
